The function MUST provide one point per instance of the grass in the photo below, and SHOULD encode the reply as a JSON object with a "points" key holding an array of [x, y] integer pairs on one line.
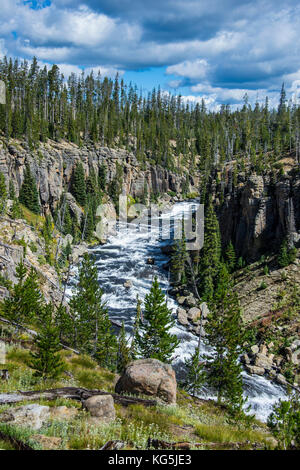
{"points": [[15, 433], [191, 419], [223, 434]]}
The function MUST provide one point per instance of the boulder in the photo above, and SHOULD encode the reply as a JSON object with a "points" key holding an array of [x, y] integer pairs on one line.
{"points": [[181, 300], [295, 358], [33, 416], [245, 359], [254, 349], [295, 344], [255, 370], [150, 261], [128, 284], [182, 316], [194, 314], [199, 331], [281, 379], [101, 407], [263, 349], [190, 301], [263, 361], [149, 377], [62, 413]]}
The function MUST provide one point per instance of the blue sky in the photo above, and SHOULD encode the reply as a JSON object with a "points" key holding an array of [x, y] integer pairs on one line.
{"points": [[212, 49]]}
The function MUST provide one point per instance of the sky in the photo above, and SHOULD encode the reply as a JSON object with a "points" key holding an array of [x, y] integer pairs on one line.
{"points": [[217, 50]]}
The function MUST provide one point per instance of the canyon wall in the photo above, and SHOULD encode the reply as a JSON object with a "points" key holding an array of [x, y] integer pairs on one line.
{"points": [[259, 213], [53, 163]]}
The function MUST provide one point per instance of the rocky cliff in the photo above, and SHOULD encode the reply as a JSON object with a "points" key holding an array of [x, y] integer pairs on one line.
{"points": [[259, 213], [53, 163]]}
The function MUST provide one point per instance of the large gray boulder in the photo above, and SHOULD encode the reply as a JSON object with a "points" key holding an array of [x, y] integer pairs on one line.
{"points": [[101, 407], [149, 377]]}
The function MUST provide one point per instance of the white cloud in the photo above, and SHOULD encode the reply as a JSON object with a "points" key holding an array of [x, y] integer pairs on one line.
{"points": [[192, 69], [220, 50]]}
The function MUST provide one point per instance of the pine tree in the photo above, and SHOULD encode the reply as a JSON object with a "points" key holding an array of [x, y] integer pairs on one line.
{"points": [[11, 190], [123, 357], [286, 256], [136, 329], [154, 339], [284, 423], [64, 324], [210, 255], [179, 260], [78, 186], [3, 190], [230, 257], [102, 177], [46, 361], [226, 335], [92, 330], [3, 193], [25, 301], [196, 376], [28, 193]]}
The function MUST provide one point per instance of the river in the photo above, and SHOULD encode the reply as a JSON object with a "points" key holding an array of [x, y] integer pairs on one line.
{"points": [[124, 258]]}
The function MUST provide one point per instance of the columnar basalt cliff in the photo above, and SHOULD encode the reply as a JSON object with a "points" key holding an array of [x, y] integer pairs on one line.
{"points": [[259, 213], [53, 163]]}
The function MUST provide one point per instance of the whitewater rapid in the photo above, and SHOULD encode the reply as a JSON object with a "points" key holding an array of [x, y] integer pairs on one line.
{"points": [[124, 258]]}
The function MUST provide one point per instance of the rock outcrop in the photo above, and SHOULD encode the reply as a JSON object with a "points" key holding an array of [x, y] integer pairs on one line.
{"points": [[149, 377], [53, 164], [259, 213]]}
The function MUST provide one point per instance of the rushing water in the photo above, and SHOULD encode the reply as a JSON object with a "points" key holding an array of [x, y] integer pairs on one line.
{"points": [[124, 258]]}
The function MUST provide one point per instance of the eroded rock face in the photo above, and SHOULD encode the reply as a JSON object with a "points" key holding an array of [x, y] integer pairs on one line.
{"points": [[259, 214], [149, 377], [101, 407], [53, 164]]}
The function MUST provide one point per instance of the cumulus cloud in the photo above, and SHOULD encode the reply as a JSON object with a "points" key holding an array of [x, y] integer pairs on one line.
{"points": [[217, 50]]}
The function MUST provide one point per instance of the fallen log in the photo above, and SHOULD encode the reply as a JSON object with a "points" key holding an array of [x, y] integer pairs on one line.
{"points": [[73, 393]]}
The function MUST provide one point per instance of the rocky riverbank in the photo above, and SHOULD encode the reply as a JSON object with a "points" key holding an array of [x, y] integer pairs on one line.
{"points": [[275, 350]]}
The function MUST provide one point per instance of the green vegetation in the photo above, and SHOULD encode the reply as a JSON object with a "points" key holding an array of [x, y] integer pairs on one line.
{"points": [[226, 335], [286, 255], [154, 338], [46, 361], [284, 423], [28, 193]]}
